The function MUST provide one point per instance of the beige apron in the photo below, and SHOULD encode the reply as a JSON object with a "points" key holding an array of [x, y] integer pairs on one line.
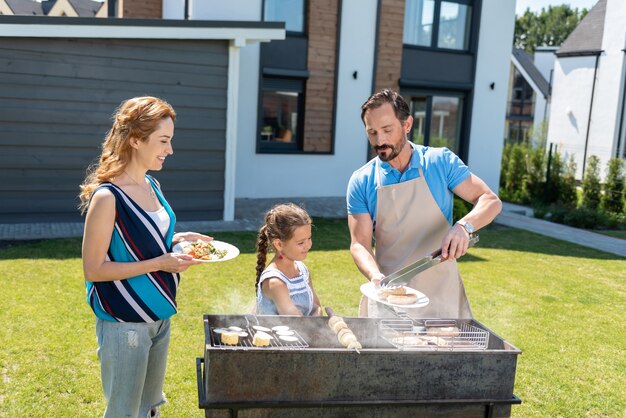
{"points": [[409, 226]]}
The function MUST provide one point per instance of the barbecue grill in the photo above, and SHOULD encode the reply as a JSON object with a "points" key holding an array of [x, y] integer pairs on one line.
{"points": [[405, 368]]}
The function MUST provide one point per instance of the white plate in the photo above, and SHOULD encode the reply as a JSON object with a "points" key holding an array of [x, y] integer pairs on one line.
{"points": [[231, 250], [369, 290]]}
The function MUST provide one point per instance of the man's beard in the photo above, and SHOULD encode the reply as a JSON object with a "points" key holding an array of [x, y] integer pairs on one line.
{"points": [[393, 151]]}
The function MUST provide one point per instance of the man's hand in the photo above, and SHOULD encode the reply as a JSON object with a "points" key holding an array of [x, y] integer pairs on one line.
{"points": [[455, 243]]}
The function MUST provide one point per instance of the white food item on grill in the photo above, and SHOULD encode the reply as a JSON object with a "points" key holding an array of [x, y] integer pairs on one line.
{"points": [[280, 328], [242, 334], [407, 299], [219, 330], [443, 331], [354, 345], [260, 328], [230, 337], [346, 336], [261, 339], [234, 328], [288, 338], [284, 333]]}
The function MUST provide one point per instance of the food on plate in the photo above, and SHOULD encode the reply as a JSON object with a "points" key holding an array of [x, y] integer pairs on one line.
{"points": [[261, 339], [385, 292], [407, 299], [203, 250], [230, 337], [339, 325]]}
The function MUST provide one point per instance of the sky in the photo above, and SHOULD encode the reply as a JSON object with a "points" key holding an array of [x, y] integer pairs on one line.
{"points": [[536, 5]]}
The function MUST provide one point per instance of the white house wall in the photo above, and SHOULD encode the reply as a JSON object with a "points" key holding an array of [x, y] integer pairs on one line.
{"points": [[571, 97], [603, 134], [489, 107], [293, 175]]}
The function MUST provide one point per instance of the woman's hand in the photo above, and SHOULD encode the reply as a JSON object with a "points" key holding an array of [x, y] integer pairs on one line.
{"points": [[189, 237], [175, 263]]}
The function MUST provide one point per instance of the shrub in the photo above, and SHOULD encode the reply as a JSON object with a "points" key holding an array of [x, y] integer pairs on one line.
{"points": [[504, 164], [533, 186], [614, 186], [553, 180], [591, 184], [515, 173], [567, 189], [460, 208]]}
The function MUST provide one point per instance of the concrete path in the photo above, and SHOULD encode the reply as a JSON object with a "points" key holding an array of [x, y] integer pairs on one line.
{"points": [[249, 216]]}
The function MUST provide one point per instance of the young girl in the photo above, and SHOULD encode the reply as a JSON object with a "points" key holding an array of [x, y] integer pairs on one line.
{"points": [[131, 274], [285, 287]]}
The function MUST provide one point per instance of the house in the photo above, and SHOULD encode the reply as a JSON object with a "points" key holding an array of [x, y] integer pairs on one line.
{"points": [[528, 105], [587, 112], [73, 8], [257, 120]]}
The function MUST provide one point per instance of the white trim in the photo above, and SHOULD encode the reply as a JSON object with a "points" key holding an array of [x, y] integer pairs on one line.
{"points": [[230, 155], [242, 35]]}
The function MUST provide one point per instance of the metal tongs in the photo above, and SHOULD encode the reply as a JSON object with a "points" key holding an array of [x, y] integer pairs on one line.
{"points": [[404, 275]]}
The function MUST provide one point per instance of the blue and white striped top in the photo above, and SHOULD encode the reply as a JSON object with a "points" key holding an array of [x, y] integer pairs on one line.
{"points": [[145, 298], [299, 290]]}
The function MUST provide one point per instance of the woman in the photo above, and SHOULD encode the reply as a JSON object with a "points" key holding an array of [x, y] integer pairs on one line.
{"points": [[131, 275]]}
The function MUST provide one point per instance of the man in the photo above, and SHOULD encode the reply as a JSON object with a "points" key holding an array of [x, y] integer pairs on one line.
{"points": [[404, 197]]}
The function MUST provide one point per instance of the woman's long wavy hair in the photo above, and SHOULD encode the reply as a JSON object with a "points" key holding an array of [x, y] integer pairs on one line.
{"points": [[280, 223], [134, 118]]}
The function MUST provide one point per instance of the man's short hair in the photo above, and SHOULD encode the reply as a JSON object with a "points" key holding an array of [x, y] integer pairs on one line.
{"points": [[376, 100]]}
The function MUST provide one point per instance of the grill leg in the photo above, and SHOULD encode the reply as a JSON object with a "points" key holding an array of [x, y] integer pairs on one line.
{"points": [[489, 411]]}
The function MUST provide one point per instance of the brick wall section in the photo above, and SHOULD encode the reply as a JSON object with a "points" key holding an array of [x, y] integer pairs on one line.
{"points": [[145, 9], [389, 54], [320, 87]]}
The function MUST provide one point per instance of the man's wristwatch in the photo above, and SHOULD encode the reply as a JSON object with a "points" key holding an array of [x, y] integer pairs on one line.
{"points": [[467, 226]]}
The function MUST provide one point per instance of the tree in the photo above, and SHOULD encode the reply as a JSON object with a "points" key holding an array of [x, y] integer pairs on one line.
{"points": [[612, 197], [550, 27], [592, 189]]}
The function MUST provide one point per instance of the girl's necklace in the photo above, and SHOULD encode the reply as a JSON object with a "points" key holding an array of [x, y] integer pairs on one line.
{"points": [[151, 190]]}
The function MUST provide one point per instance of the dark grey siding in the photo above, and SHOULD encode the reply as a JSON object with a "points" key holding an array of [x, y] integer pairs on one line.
{"points": [[57, 97]]}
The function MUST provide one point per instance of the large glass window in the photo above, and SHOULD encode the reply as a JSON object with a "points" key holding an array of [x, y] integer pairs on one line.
{"points": [[453, 26], [418, 22], [282, 104], [436, 120], [289, 11], [437, 23]]}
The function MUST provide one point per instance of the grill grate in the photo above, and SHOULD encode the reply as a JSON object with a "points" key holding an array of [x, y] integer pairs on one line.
{"points": [[434, 335], [246, 342]]}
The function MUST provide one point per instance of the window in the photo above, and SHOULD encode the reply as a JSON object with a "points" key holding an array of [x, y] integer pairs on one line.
{"points": [[436, 121], [418, 22], [437, 24], [289, 11], [282, 115]]}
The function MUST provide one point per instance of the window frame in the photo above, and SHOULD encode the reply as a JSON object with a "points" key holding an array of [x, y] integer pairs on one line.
{"points": [[411, 95], [305, 20], [296, 147], [434, 38]]}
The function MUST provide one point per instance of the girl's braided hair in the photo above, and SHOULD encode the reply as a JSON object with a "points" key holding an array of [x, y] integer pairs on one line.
{"points": [[280, 223]]}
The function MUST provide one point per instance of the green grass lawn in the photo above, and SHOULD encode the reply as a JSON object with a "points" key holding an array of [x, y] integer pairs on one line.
{"points": [[563, 305], [615, 234]]}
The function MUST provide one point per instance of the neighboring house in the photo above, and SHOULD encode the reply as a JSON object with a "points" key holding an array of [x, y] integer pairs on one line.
{"points": [[528, 105], [72, 8], [587, 114], [286, 124]]}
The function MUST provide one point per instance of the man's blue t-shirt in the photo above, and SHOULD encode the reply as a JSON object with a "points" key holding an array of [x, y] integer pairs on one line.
{"points": [[442, 169]]}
